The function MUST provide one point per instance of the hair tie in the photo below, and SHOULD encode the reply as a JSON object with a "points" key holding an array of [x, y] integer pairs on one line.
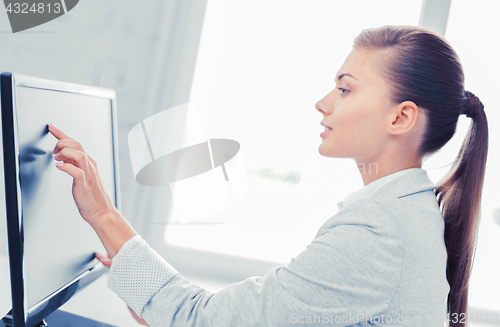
{"points": [[472, 105]]}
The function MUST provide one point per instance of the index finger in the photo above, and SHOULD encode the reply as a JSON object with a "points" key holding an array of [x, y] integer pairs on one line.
{"points": [[57, 132]]}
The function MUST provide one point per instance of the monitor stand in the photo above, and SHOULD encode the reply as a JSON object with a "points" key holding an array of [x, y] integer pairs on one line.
{"points": [[60, 318]]}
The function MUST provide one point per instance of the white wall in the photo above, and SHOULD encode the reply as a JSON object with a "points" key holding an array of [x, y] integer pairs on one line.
{"points": [[145, 50]]}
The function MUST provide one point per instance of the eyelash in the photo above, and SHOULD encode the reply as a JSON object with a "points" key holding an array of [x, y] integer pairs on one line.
{"points": [[342, 90]]}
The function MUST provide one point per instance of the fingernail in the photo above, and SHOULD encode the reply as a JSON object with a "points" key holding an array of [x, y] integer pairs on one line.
{"points": [[56, 156], [59, 164], [53, 126]]}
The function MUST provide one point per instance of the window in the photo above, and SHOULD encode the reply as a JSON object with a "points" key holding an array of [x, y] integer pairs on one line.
{"points": [[262, 65]]}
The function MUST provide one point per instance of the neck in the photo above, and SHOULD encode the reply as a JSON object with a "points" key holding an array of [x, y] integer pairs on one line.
{"points": [[376, 168]]}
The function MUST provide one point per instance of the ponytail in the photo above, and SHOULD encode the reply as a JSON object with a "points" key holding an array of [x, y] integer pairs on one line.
{"points": [[421, 66], [459, 196]]}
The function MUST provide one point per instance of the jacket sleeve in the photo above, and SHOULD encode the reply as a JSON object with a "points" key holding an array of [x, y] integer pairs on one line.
{"points": [[349, 272]]}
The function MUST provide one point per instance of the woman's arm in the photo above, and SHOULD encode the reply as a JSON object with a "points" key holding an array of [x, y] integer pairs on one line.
{"points": [[349, 271], [352, 267], [92, 200]]}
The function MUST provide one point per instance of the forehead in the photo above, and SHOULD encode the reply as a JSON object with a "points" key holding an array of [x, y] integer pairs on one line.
{"points": [[362, 64]]}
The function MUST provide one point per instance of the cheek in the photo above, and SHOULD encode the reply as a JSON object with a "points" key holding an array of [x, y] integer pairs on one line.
{"points": [[357, 127], [350, 120]]}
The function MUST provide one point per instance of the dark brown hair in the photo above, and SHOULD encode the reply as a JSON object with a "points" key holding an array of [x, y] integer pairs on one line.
{"points": [[421, 66]]}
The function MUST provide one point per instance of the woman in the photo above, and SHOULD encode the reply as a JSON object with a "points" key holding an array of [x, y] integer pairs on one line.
{"points": [[399, 251]]}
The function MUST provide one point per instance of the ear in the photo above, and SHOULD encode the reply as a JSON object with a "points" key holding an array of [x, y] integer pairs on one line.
{"points": [[405, 118]]}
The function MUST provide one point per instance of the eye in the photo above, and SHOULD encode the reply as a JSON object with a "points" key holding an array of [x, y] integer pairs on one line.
{"points": [[343, 91]]}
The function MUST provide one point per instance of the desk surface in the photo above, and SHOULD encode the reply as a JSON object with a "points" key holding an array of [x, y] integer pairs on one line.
{"points": [[98, 302], [61, 318]]}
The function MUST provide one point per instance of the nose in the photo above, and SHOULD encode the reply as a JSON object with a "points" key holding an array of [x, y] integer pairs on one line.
{"points": [[320, 107]]}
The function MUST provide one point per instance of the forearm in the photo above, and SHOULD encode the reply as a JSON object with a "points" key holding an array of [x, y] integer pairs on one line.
{"points": [[113, 231]]}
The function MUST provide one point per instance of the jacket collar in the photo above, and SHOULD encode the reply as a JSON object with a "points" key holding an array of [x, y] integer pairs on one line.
{"points": [[414, 181]]}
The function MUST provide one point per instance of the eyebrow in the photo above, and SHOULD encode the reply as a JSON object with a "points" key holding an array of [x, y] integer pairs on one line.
{"points": [[345, 74]]}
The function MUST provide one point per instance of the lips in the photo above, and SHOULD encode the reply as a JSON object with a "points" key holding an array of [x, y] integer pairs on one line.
{"points": [[327, 128]]}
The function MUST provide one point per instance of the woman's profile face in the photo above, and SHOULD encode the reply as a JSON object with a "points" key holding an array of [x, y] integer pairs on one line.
{"points": [[357, 110]]}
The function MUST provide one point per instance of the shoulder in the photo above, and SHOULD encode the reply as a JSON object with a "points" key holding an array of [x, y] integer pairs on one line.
{"points": [[366, 226], [358, 250], [372, 214]]}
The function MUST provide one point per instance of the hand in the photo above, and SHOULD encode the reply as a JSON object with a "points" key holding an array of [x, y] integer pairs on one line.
{"points": [[91, 198], [104, 260], [139, 319], [89, 193]]}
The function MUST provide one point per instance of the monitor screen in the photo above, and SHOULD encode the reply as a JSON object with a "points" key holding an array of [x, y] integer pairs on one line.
{"points": [[57, 245]]}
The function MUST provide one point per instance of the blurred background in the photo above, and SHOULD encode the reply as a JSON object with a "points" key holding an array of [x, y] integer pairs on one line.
{"points": [[255, 69]]}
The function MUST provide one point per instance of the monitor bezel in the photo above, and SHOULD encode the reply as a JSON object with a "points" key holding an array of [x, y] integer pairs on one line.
{"points": [[21, 315]]}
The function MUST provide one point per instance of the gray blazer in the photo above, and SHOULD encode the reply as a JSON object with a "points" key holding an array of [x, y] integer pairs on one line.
{"points": [[379, 260], [413, 213]]}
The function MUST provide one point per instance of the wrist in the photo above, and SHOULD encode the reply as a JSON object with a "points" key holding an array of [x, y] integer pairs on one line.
{"points": [[102, 219], [113, 230]]}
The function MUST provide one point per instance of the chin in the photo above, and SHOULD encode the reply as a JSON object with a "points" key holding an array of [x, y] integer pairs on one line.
{"points": [[332, 152], [326, 152]]}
